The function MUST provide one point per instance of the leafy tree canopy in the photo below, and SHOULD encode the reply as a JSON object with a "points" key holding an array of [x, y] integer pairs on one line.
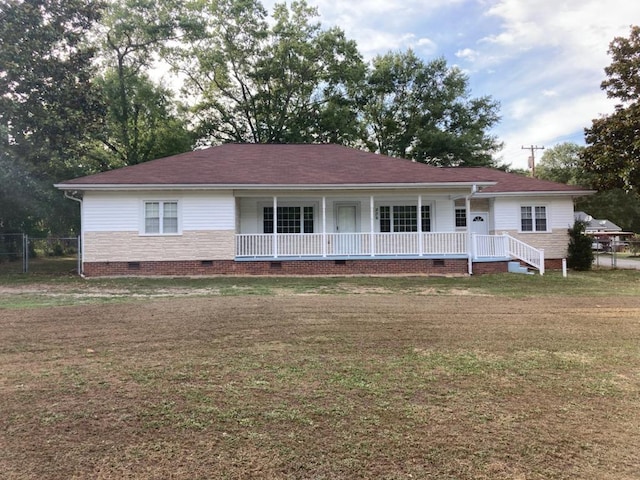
{"points": [[424, 111], [613, 150], [562, 163], [288, 81], [141, 119], [47, 105]]}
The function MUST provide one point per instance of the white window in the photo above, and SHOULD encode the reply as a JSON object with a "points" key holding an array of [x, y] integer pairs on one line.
{"points": [[404, 218], [290, 219], [461, 217], [160, 218], [533, 218]]}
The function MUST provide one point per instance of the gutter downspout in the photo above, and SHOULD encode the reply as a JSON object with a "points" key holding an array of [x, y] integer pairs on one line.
{"points": [[467, 205], [81, 239]]}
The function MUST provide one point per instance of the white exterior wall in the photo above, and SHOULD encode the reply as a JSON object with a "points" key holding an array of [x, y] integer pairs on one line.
{"points": [[123, 212], [113, 227], [506, 213], [442, 210]]}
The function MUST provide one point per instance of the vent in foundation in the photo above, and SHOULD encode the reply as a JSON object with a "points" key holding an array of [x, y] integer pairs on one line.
{"points": [[340, 262], [133, 265], [438, 263], [207, 263], [276, 264]]}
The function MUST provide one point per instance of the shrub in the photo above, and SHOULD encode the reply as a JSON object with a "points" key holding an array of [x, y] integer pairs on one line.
{"points": [[580, 254], [634, 245]]}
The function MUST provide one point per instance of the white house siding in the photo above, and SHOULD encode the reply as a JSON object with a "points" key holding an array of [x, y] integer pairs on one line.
{"points": [[113, 223], [442, 209], [506, 214]]}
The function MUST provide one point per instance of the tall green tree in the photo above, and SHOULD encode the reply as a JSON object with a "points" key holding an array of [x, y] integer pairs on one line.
{"points": [[142, 122], [616, 205], [48, 104], [283, 81], [424, 111], [613, 142], [562, 163], [144, 127]]}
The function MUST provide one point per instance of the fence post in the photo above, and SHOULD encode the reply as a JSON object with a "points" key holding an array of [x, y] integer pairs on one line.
{"points": [[79, 249], [541, 261], [25, 253]]}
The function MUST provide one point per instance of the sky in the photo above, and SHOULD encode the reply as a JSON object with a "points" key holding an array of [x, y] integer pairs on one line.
{"points": [[543, 60]]}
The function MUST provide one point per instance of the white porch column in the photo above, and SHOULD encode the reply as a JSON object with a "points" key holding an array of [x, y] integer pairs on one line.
{"points": [[420, 236], [470, 239], [372, 235], [275, 227], [324, 226]]}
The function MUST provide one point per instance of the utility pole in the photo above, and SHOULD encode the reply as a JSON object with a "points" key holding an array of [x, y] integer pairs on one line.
{"points": [[532, 158]]}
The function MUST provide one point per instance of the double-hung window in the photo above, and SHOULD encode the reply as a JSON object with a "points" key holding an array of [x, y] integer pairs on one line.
{"points": [[403, 218], [461, 217], [533, 218], [160, 217], [289, 219]]}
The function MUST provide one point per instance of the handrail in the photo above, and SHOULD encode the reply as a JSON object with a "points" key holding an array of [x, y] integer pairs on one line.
{"points": [[525, 252]]}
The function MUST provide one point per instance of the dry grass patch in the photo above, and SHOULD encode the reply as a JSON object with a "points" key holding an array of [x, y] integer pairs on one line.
{"points": [[323, 387]]}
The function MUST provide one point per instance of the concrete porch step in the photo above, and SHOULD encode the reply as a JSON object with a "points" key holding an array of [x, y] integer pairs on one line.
{"points": [[516, 267]]}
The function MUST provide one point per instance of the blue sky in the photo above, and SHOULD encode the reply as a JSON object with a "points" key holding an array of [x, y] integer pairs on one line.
{"points": [[543, 60]]}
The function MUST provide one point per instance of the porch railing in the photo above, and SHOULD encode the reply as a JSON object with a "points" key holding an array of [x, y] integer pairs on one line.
{"points": [[350, 244], [526, 253], [386, 244], [489, 246], [503, 246]]}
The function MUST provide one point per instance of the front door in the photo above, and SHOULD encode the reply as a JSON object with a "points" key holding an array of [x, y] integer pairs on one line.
{"points": [[479, 223], [346, 241]]}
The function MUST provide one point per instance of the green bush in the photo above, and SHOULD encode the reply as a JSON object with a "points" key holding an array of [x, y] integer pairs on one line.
{"points": [[580, 254], [634, 245]]}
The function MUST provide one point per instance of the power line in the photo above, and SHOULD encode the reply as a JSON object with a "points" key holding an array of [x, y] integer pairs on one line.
{"points": [[532, 158]]}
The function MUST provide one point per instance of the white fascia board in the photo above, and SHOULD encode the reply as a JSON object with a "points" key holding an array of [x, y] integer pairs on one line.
{"points": [[571, 193], [358, 186]]}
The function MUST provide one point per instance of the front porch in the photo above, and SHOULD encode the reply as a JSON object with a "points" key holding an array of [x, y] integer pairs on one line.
{"points": [[375, 245], [386, 226]]}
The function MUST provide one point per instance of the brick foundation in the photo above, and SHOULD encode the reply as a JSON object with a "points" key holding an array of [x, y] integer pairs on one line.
{"points": [[456, 266], [284, 267], [553, 263]]}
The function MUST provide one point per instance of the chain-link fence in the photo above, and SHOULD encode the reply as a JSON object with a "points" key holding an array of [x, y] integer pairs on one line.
{"points": [[12, 253], [21, 253]]}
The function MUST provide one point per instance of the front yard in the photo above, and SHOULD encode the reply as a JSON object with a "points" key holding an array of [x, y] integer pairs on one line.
{"points": [[498, 377]]}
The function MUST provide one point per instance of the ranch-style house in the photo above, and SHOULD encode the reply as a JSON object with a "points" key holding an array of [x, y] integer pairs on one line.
{"points": [[315, 209]]}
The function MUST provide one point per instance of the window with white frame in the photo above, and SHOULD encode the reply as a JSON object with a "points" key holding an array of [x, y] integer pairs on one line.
{"points": [[290, 219], [533, 218], [403, 218], [160, 217], [461, 217]]}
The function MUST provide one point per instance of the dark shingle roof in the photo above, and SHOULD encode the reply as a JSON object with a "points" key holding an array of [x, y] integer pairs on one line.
{"points": [[302, 165]]}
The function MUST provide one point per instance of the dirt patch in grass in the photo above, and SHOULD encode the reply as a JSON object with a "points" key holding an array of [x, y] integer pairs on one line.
{"points": [[324, 387]]}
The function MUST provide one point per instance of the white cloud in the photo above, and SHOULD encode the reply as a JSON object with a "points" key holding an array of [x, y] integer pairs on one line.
{"points": [[467, 54], [543, 60], [549, 123], [581, 27], [426, 45]]}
